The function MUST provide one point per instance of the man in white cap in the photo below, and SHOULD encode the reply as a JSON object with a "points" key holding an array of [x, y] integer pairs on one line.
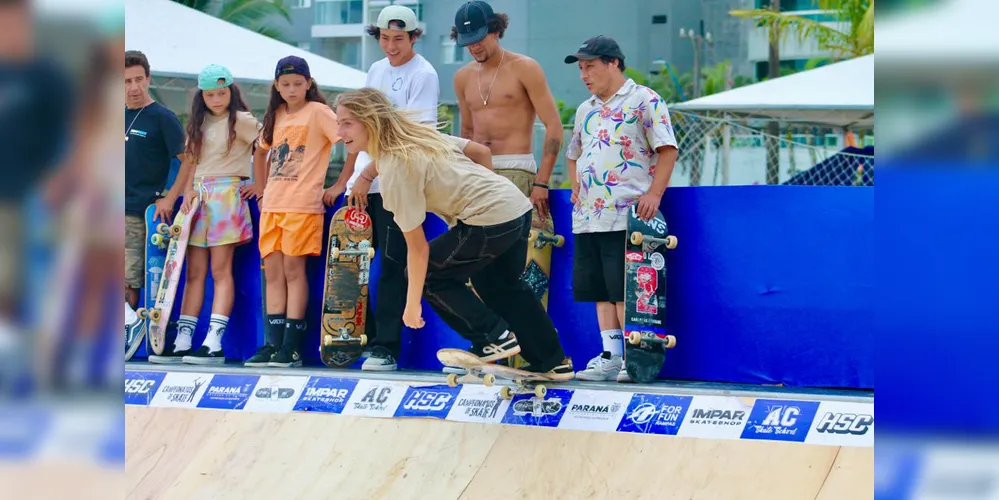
{"points": [[411, 82]]}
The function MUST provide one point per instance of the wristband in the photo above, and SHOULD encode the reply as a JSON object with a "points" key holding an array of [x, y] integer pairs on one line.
{"points": [[540, 185], [366, 178]]}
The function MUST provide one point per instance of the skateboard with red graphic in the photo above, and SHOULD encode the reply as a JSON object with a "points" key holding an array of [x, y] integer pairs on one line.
{"points": [[345, 295], [159, 312], [645, 335]]}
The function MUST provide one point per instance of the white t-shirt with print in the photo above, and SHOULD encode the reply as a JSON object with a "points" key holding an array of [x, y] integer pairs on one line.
{"points": [[614, 145], [414, 86]]}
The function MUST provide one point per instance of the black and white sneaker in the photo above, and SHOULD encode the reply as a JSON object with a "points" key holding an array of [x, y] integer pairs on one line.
{"points": [[285, 358], [380, 359], [135, 332], [170, 356], [497, 349], [262, 358], [562, 371], [205, 357]]}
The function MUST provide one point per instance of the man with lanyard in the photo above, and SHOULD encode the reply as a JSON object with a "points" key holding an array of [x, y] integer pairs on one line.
{"points": [[411, 82]]}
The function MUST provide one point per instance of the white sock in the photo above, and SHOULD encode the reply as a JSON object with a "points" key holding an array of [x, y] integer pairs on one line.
{"points": [[613, 342], [130, 315], [216, 329], [185, 330]]}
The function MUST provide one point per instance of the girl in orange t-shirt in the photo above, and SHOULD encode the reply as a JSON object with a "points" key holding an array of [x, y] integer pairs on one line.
{"points": [[290, 167]]}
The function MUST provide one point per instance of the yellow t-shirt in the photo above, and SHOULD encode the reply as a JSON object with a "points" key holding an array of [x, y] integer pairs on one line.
{"points": [[299, 159], [214, 161], [456, 190]]}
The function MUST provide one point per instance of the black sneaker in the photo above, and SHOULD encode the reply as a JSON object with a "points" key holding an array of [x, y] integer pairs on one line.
{"points": [[562, 371], [205, 357], [497, 349], [262, 357], [285, 358], [170, 356], [380, 359]]}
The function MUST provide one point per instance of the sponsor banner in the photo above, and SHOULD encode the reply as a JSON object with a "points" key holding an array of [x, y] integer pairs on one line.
{"points": [[896, 470], [843, 424], [228, 392], [141, 386], [22, 430], [375, 398], [716, 417], [478, 404], [595, 410], [780, 420], [655, 414], [276, 393], [433, 401], [526, 409], [181, 390], [325, 394]]}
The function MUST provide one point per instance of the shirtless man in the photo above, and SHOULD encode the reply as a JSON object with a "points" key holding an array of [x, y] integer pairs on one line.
{"points": [[499, 96]]}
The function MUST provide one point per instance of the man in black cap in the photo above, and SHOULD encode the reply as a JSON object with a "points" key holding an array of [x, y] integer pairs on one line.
{"points": [[499, 95], [626, 149]]}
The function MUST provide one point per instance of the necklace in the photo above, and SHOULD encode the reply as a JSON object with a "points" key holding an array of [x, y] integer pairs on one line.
{"points": [[129, 129], [485, 98]]}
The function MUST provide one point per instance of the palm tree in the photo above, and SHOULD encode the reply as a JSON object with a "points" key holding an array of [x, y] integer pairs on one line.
{"points": [[254, 15], [857, 16]]}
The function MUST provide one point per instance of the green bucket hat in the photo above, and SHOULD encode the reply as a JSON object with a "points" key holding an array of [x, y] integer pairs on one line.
{"points": [[209, 77]]}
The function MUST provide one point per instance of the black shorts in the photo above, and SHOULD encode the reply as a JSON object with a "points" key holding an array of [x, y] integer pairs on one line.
{"points": [[598, 267]]}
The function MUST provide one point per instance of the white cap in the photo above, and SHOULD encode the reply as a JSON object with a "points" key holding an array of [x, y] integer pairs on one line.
{"points": [[397, 13]]}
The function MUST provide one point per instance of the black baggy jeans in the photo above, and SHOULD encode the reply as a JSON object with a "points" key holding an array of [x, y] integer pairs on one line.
{"points": [[494, 258], [386, 316]]}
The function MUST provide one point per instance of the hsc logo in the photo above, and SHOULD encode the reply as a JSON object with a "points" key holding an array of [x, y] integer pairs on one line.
{"points": [[140, 387], [779, 420], [434, 401]]}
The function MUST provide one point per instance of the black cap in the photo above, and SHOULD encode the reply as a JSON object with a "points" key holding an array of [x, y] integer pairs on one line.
{"points": [[292, 65], [471, 22], [594, 48]]}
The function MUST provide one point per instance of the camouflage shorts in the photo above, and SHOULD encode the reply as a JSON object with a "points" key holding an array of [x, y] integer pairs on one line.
{"points": [[135, 249], [523, 179]]}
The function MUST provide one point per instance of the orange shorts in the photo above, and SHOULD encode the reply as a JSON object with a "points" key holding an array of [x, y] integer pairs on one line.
{"points": [[291, 234]]}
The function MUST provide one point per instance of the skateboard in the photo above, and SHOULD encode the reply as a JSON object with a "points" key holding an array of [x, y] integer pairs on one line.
{"points": [[645, 335], [157, 240], [159, 311], [345, 296], [488, 373], [538, 270]]}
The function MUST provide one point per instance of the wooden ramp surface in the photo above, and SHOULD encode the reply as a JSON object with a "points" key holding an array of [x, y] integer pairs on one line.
{"points": [[202, 454]]}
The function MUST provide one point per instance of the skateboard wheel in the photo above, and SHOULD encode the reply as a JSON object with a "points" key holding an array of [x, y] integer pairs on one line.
{"points": [[669, 342], [157, 239], [671, 242], [559, 240], [154, 315], [175, 230], [488, 379], [364, 339], [335, 253], [371, 253], [540, 391], [452, 380], [327, 340], [505, 393], [142, 313], [636, 238], [163, 228], [635, 338]]}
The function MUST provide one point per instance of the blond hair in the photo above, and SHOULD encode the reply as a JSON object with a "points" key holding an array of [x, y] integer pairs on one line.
{"points": [[393, 133]]}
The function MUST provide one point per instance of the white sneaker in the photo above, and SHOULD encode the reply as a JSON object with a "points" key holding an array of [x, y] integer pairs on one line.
{"points": [[622, 376], [602, 368]]}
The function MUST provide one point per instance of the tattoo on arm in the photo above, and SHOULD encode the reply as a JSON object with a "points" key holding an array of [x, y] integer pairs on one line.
{"points": [[552, 146]]}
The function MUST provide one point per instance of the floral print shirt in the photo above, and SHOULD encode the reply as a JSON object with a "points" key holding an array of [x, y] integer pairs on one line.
{"points": [[614, 145]]}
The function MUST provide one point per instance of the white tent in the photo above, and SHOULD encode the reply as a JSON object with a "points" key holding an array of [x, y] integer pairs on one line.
{"points": [[961, 32], [839, 95], [180, 41]]}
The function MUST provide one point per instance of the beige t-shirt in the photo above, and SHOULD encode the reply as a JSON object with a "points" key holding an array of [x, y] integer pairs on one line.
{"points": [[214, 160], [299, 159], [458, 190]]}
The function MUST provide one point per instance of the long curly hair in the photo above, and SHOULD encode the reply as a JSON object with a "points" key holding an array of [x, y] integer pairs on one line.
{"points": [[199, 110]]}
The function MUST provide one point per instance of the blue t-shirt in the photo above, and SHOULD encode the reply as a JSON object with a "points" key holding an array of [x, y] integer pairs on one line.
{"points": [[155, 137]]}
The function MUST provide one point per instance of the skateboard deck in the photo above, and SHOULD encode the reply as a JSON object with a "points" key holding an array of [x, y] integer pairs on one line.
{"points": [[173, 263], [645, 335], [488, 373], [157, 240], [345, 296], [538, 270]]}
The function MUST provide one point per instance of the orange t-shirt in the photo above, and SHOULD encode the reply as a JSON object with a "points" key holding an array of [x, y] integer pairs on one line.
{"points": [[299, 159]]}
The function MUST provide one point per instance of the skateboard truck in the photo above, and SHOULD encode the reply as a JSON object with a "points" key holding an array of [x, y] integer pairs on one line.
{"points": [[363, 249], [541, 239], [670, 241], [636, 338], [162, 233], [344, 336]]}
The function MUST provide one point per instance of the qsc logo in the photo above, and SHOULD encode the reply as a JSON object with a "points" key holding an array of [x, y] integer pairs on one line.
{"points": [[325, 394], [433, 401], [654, 414], [140, 387], [779, 420]]}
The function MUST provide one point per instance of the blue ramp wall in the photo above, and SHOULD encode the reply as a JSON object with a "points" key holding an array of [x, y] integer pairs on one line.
{"points": [[769, 285]]}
